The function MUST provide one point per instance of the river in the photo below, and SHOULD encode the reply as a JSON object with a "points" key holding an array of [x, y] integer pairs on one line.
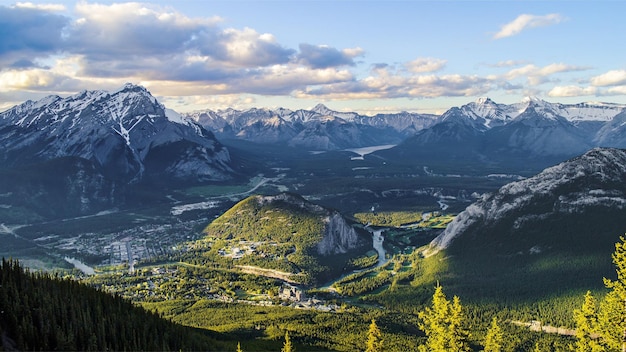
{"points": [[377, 242], [80, 266], [377, 239]]}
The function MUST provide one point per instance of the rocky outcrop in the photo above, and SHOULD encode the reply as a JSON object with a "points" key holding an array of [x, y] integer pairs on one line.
{"points": [[339, 236]]}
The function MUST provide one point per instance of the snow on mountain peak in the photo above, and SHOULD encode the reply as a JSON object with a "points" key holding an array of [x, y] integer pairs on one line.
{"points": [[484, 100], [532, 99], [321, 108]]}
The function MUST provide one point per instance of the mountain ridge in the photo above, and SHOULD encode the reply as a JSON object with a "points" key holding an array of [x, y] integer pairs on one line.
{"points": [[116, 130], [600, 166]]}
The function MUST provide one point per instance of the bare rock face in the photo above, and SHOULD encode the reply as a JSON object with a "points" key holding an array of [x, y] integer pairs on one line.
{"points": [[339, 236]]}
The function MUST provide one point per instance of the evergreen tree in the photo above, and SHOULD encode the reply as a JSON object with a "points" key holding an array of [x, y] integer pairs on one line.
{"points": [[586, 320], [287, 346], [443, 325], [239, 347], [615, 317], [374, 338], [494, 338]]}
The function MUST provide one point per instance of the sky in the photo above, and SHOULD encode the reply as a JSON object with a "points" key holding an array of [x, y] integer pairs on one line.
{"points": [[366, 56]]}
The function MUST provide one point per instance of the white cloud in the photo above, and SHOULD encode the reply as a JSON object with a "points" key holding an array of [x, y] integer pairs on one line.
{"points": [[509, 63], [428, 64], [538, 75], [526, 21], [385, 83], [43, 7], [619, 90], [611, 78], [571, 91]]}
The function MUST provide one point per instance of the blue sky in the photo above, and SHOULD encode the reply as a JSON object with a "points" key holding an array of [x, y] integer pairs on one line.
{"points": [[366, 56]]}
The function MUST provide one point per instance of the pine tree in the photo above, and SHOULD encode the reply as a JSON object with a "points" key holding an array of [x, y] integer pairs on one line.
{"points": [[618, 295], [287, 346], [239, 347], [494, 338], [374, 338], [586, 320], [443, 325]]}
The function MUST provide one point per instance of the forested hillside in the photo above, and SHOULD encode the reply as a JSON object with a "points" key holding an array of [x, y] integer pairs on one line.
{"points": [[44, 312]]}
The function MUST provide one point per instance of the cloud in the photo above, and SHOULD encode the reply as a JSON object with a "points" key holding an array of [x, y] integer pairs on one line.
{"points": [[610, 78], [28, 32], [45, 7], [571, 91], [619, 90], [385, 83], [525, 21], [508, 63], [244, 48], [538, 75], [323, 56], [428, 64]]}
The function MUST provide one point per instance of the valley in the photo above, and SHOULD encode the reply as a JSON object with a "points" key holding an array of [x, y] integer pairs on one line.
{"points": [[252, 237]]}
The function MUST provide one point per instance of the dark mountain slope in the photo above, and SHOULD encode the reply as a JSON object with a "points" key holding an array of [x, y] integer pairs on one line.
{"points": [[546, 236]]}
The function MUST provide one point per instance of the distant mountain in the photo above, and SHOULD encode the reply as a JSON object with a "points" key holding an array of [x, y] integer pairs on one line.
{"points": [[319, 128], [292, 235], [87, 152], [555, 231], [127, 134], [526, 136]]}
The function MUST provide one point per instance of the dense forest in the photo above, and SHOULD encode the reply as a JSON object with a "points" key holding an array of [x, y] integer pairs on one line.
{"points": [[39, 311]]}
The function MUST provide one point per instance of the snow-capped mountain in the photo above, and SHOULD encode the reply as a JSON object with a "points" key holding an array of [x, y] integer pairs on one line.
{"points": [[127, 134], [318, 128], [595, 180], [532, 134]]}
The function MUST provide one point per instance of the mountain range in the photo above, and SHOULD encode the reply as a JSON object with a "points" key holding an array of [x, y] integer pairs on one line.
{"points": [[478, 136], [530, 135], [319, 128], [87, 148], [126, 134]]}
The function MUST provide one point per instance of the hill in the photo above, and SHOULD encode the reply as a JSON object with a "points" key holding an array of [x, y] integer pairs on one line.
{"points": [[541, 239], [287, 233]]}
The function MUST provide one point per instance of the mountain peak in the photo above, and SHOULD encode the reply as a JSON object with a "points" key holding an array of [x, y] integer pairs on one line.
{"points": [[484, 101], [130, 87], [533, 99], [321, 109]]}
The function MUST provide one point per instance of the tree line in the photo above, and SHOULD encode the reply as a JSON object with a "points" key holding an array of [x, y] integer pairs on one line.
{"points": [[39, 311]]}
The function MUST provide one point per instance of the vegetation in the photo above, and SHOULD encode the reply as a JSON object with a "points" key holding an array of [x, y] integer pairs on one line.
{"points": [[389, 218], [605, 329], [43, 312], [283, 233], [374, 338], [443, 325], [287, 346], [405, 218], [494, 339]]}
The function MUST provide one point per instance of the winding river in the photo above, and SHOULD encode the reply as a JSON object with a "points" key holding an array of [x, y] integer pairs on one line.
{"points": [[377, 239], [377, 242]]}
